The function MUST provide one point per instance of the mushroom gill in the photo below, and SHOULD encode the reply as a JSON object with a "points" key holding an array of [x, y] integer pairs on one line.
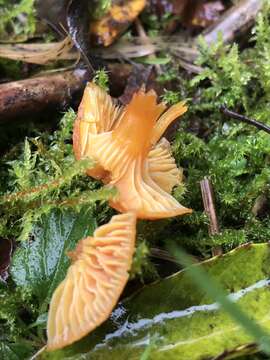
{"points": [[125, 143], [93, 283]]}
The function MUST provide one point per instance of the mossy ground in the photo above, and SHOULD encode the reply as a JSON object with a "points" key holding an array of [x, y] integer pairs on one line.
{"points": [[235, 156]]}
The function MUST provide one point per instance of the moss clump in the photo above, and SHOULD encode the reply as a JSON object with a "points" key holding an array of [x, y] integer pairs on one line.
{"points": [[235, 156], [17, 19], [45, 175], [38, 176], [42, 173]]}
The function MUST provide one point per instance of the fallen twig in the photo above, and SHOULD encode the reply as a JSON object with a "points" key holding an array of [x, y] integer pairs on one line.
{"points": [[245, 119], [234, 21], [41, 93], [163, 254], [209, 208], [36, 94]]}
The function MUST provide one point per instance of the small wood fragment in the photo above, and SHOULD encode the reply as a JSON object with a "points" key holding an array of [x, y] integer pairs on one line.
{"points": [[34, 95], [139, 76], [234, 22], [209, 208]]}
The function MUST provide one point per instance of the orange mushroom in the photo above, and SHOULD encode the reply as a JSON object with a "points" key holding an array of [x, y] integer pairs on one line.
{"points": [[93, 283], [125, 143]]}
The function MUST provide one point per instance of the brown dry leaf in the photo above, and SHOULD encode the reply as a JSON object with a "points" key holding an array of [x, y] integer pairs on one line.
{"points": [[206, 13], [40, 54], [192, 13], [105, 31], [138, 77], [161, 7], [177, 8]]}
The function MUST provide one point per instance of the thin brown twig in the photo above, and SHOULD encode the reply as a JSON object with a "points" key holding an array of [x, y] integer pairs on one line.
{"points": [[34, 95], [245, 119], [163, 254], [209, 208]]}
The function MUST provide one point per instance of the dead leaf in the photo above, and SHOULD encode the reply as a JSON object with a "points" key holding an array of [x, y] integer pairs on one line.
{"points": [[115, 22], [138, 77], [39, 53], [207, 13], [162, 7], [176, 8]]}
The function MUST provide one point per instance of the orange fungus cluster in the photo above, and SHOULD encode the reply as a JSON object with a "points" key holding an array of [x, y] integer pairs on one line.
{"points": [[130, 154]]}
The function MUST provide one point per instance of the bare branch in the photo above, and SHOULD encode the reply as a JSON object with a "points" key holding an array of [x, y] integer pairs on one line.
{"points": [[30, 96], [234, 22], [245, 119], [36, 94]]}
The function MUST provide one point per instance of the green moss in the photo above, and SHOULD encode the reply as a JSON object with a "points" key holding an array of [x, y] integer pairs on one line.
{"points": [[17, 309], [101, 8], [17, 18], [10, 69], [42, 179], [234, 156], [45, 175], [101, 78]]}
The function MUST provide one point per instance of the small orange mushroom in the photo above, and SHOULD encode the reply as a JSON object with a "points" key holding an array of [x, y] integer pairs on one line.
{"points": [[125, 143], [93, 283]]}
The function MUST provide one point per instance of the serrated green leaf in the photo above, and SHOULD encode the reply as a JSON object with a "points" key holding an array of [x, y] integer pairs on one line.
{"points": [[41, 262], [178, 320]]}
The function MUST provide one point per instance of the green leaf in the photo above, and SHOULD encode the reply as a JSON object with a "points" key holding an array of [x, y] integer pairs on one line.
{"points": [[156, 61], [41, 321], [208, 284], [41, 262], [12, 351], [178, 320]]}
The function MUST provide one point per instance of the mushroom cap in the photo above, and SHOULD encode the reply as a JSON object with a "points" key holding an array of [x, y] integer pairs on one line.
{"points": [[96, 114], [94, 282], [125, 143]]}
